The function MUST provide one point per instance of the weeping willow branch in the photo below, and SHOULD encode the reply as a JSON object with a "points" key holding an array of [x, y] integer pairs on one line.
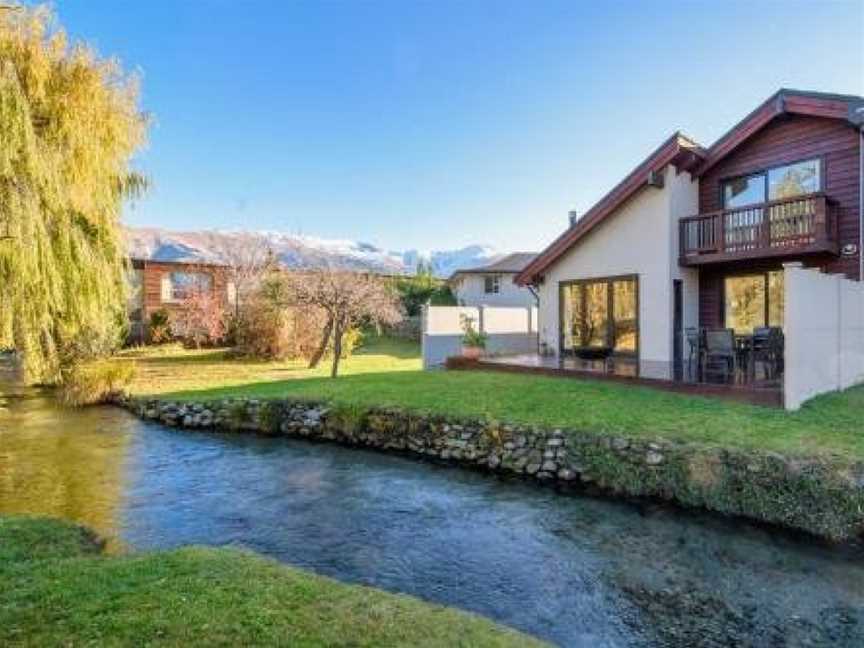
{"points": [[69, 126]]}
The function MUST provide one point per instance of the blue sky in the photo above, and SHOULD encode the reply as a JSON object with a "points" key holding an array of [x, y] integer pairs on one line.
{"points": [[438, 124]]}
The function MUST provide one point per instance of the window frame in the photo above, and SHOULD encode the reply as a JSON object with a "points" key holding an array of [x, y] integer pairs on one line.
{"points": [[496, 284], [610, 306], [763, 172]]}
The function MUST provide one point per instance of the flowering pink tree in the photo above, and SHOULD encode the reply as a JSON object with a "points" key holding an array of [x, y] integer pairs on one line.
{"points": [[200, 320]]}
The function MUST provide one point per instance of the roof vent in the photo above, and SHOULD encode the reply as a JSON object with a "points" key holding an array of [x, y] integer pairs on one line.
{"points": [[655, 179], [573, 215]]}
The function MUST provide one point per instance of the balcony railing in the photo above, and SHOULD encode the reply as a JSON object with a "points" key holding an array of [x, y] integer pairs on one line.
{"points": [[792, 226]]}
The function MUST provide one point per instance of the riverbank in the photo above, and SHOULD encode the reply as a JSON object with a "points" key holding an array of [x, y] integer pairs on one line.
{"points": [[821, 495], [386, 373], [58, 589]]}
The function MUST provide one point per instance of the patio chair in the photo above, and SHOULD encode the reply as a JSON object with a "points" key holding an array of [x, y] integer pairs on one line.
{"points": [[768, 344], [761, 350], [719, 355]]}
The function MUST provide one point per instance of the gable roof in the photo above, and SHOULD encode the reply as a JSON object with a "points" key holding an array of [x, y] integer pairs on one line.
{"points": [[677, 149], [784, 102], [510, 264]]}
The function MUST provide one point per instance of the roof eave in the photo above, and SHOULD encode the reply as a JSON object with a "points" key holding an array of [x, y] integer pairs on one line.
{"points": [[677, 149]]}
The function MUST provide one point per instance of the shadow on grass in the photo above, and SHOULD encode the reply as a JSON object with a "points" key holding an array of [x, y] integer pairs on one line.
{"points": [[399, 349]]}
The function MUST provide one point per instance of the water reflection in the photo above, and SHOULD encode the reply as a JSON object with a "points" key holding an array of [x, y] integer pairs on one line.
{"points": [[576, 571], [62, 465]]}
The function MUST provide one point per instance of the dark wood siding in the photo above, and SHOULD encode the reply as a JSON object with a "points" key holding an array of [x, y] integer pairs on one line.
{"points": [[789, 139]]}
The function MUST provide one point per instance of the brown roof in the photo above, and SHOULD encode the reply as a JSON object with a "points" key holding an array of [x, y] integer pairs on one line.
{"points": [[677, 149], [512, 263]]}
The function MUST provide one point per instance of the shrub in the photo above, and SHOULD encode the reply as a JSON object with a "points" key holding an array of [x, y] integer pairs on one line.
{"points": [[423, 288], [159, 327], [271, 331], [201, 320], [97, 381]]}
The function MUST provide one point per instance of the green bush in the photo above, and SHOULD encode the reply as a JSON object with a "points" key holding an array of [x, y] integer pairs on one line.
{"points": [[96, 381], [423, 288], [159, 327]]}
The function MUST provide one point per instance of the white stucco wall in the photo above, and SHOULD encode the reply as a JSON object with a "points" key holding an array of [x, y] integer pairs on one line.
{"points": [[640, 239], [469, 290], [824, 329]]}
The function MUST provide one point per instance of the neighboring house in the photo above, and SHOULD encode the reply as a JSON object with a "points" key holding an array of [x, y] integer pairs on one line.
{"points": [[164, 285], [493, 285], [697, 237]]}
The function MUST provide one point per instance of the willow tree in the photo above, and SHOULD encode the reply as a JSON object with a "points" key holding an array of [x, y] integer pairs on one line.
{"points": [[69, 126]]}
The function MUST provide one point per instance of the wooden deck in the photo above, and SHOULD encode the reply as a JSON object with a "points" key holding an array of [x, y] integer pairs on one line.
{"points": [[622, 372]]}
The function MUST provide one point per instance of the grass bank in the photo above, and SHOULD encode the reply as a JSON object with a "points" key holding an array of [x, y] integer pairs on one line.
{"points": [[59, 590], [387, 373]]}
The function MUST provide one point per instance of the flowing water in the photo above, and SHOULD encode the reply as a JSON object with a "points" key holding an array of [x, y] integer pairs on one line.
{"points": [[574, 570]]}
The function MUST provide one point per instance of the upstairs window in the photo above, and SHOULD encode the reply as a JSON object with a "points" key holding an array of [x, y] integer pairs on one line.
{"points": [[746, 190], [491, 284], [777, 183], [794, 180]]}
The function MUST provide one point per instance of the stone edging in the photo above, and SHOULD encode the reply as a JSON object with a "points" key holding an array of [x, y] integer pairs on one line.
{"points": [[823, 497]]}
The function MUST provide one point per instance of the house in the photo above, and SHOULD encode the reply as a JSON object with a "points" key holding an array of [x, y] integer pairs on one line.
{"points": [[493, 285], [701, 238], [165, 285]]}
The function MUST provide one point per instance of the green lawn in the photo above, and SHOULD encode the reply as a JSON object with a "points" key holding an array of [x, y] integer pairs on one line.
{"points": [[388, 373], [58, 590]]}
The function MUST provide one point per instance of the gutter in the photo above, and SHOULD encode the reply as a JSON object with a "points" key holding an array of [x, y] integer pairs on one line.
{"points": [[861, 206]]}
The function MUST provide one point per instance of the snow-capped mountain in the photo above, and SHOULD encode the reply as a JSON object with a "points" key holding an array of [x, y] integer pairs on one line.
{"points": [[299, 251]]}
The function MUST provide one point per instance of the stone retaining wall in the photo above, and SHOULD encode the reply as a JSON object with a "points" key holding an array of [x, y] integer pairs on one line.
{"points": [[821, 496]]}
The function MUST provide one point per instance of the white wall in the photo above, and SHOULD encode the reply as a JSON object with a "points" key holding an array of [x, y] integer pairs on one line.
{"points": [[509, 330], [470, 290], [640, 239], [824, 329]]}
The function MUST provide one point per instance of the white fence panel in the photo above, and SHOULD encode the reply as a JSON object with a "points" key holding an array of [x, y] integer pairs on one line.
{"points": [[509, 331], [824, 329]]}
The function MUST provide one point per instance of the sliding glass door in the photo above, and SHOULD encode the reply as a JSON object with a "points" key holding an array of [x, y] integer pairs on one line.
{"points": [[600, 314]]}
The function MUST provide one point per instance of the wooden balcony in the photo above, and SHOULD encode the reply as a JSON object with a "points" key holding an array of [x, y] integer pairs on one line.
{"points": [[779, 228]]}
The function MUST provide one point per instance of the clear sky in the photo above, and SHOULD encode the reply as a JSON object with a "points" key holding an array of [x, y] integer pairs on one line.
{"points": [[437, 124]]}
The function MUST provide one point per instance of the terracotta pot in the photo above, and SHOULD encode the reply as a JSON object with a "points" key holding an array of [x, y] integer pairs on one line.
{"points": [[472, 353]]}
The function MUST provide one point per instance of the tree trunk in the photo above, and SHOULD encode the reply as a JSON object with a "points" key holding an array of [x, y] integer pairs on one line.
{"points": [[337, 348], [322, 348]]}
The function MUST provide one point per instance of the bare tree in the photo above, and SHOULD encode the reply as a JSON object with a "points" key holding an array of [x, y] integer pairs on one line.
{"points": [[248, 257], [348, 299]]}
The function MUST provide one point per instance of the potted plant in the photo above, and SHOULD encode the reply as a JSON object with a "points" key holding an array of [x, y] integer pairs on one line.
{"points": [[473, 341]]}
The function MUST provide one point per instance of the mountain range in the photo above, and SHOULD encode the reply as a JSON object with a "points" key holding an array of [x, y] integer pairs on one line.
{"points": [[301, 251]]}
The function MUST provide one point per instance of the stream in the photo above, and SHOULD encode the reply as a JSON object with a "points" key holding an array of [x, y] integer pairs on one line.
{"points": [[576, 571]]}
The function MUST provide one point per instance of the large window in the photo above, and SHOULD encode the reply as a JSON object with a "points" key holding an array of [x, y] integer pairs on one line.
{"points": [[780, 182], [600, 314], [753, 301], [178, 286]]}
